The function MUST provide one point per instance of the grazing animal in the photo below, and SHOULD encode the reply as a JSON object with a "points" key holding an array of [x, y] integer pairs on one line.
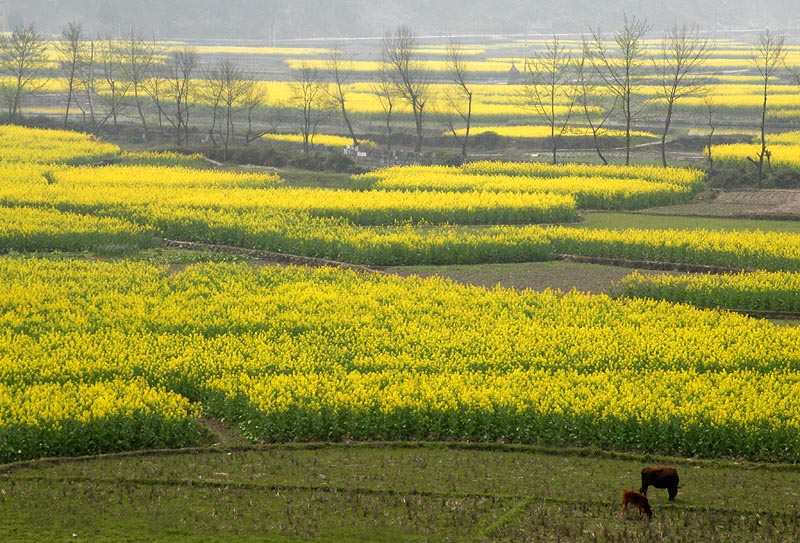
{"points": [[660, 477], [639, 500]]}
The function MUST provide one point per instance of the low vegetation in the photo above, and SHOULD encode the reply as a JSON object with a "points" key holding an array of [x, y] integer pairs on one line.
{"points": [[389, 492]]}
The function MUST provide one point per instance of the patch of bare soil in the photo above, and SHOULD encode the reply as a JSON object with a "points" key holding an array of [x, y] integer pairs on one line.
{"points": [[763, 202], [760, 203], [221, 435]]}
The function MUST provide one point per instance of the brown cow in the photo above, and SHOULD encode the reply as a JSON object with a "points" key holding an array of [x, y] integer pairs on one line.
{"points": [[660, 477], [637, 499]]}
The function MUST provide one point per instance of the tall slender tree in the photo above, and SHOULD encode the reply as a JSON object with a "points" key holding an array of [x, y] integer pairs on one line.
{"points": [[255, 100], [72, 51], [597, 109], [313, 101], [23, 58], [340, 70], [172, 90], [407, 74], [458, 72], [767, 58], [88, 82], [229, 86], [384, 92], [115, 86], [683, 53], [138, 57], [711, 111], [548, 89], [621, 70]]}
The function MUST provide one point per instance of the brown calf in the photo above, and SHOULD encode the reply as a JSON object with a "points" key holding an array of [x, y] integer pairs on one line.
{"points": [[637, 499], [660, 477]]}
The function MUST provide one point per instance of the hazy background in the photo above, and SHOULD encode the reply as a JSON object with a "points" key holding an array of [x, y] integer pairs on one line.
{"points": [[279, 21]]}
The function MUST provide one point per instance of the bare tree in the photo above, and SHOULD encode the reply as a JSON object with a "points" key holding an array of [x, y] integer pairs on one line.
{"points": [[384, 92], [622, 72], [311, 98], [139, 58], [459, 74], [406, 73], [597, 109], [153, 88], [683, 52], [769, 55], [256, 99], [549, 90], [172, 91], [71, 49], [340, 71], [22, 59], [211, 95], [228, 87], [115, 92], [87, 82]]}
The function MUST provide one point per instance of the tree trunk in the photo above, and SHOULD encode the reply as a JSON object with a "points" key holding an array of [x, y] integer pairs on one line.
{"points": [[418, 122], [627, 107], [597, 148], [349, 125], [763, 137], [70, 92], [664, 135], [469, 122], [139, 108]]}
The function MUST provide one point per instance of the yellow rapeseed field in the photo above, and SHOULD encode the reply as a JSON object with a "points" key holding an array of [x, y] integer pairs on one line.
{"points": [[107, 355], [296, 353], [33, 145], [319, 139]]}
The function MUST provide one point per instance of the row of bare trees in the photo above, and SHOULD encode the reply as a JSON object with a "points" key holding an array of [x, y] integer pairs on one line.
{"points": [[560, 83], [606, 76], [620, 69], [108, 79], [557, 83], [22, 58]]}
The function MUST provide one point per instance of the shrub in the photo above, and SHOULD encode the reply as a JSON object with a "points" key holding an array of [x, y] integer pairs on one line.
{"points": [[784, 179], [728, 178]]}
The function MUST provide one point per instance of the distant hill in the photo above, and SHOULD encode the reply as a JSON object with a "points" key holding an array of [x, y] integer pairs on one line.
{"points": [[282, 20]]}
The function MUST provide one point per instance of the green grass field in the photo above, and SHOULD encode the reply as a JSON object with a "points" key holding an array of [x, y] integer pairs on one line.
{"points": [[389, 492]]}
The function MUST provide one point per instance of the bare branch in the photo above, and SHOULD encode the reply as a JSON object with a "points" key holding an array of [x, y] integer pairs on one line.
{"points": [[460, 102]]}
